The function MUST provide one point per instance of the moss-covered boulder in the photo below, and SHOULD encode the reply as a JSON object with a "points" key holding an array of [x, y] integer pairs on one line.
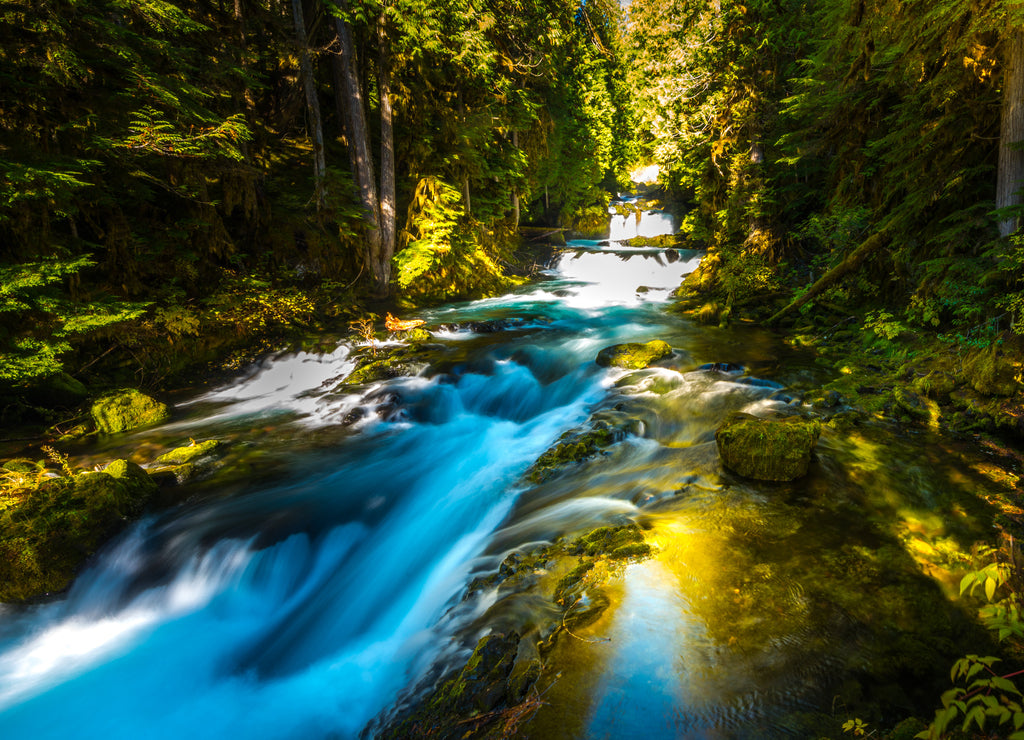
{"points": [[468, 703], [46, 536], [127, 409], [992, 373], [574, 446], [767, 449], [189, 453], [633, 355]]}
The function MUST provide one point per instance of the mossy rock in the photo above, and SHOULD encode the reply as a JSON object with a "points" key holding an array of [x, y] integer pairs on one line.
{"points": [[127, 409], [572, 447], [663, 241], [46, 537], [189, 453], [991, 373], [480, 688], [415, 336], [936, 384], [388, 362], [911, 403], [633, 355], [767, 449], [613, 541]]}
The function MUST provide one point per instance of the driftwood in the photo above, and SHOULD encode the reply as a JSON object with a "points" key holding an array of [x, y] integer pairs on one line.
{"points": [[392, 324], [853, 261]]}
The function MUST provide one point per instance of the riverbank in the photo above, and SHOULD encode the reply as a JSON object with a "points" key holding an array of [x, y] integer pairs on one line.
{"points": [[599, 539]]}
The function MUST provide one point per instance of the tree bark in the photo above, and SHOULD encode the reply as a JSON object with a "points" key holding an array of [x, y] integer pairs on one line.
{"points": [[359, 143], [387, 162], [515, 192], [313, 106], [1010, 174]]}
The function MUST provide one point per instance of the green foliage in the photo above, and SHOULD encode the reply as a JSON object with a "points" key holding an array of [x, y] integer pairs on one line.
{"points": [[884, 325], [987, 699], [444, 255], [37, 320]]}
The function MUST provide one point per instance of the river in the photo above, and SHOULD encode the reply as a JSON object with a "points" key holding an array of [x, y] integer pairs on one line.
{"points": [[321, 573]]}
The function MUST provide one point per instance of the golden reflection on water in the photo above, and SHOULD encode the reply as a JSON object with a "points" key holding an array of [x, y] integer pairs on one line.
{"points": [[763, 603]]}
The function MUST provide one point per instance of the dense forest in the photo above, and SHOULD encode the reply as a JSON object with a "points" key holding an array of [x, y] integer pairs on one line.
{"points": [[186, 186], [173, 171], [177, 171]]}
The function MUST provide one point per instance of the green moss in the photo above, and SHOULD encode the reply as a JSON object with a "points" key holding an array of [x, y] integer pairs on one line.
{"points": [[46, 536], [991, 373], [633, 355], [572, 447], [570, 582], [936, 384], [482, 686], [605, 540], [188, 453], [664, 241], [635, 550], [767, 449], [127, 409]]}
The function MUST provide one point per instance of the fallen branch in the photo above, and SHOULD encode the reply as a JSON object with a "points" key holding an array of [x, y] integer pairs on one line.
{"points": [[852, 262]]}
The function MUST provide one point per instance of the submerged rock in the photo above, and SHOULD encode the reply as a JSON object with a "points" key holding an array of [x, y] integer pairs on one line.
{"points": [[468, 703], [127, 409], [767, 449], [189, 453], [52, 529], [633, 355], [574, 446]]}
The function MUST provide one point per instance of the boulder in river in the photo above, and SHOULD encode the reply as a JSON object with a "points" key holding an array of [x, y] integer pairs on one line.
{"points": [[634, 355], [127, 409], [767, 449], [48, 531], [189, 453]]}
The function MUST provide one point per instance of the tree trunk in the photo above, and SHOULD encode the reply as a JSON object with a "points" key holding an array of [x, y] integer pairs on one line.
{"points": [[313, 105], [852, 262], [1010, 175], [515, 193], [359, 143], [387, 162]]}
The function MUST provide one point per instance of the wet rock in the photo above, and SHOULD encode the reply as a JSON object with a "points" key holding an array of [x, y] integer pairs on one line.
{"points": [[663, 241], [991, 373], [127, 409], [827, 401], [189, 453], [572, 447], [50, 531], [464, 704], [910, 403], [613, 541], [633, 355], [936, 384], [728, 368], [767, 449]]}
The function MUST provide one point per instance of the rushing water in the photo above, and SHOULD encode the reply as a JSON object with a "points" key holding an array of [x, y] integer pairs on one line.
{"points": [[302, 590]]}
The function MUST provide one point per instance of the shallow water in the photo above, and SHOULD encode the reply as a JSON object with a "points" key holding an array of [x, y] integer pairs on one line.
{"points": [[323, 571]]}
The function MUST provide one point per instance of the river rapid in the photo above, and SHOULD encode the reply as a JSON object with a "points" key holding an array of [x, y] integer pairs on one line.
{"points": [[321, 574]]}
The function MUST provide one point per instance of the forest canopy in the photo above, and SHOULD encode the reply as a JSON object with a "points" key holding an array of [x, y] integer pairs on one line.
{"points": [[172, 169]]}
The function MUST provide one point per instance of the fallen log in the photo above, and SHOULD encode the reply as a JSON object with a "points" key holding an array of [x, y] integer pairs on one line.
{"points": [[851, 263]]}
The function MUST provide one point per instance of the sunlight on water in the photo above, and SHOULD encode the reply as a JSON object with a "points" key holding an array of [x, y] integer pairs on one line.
{"points": [[302, 607], [650, 223]]}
